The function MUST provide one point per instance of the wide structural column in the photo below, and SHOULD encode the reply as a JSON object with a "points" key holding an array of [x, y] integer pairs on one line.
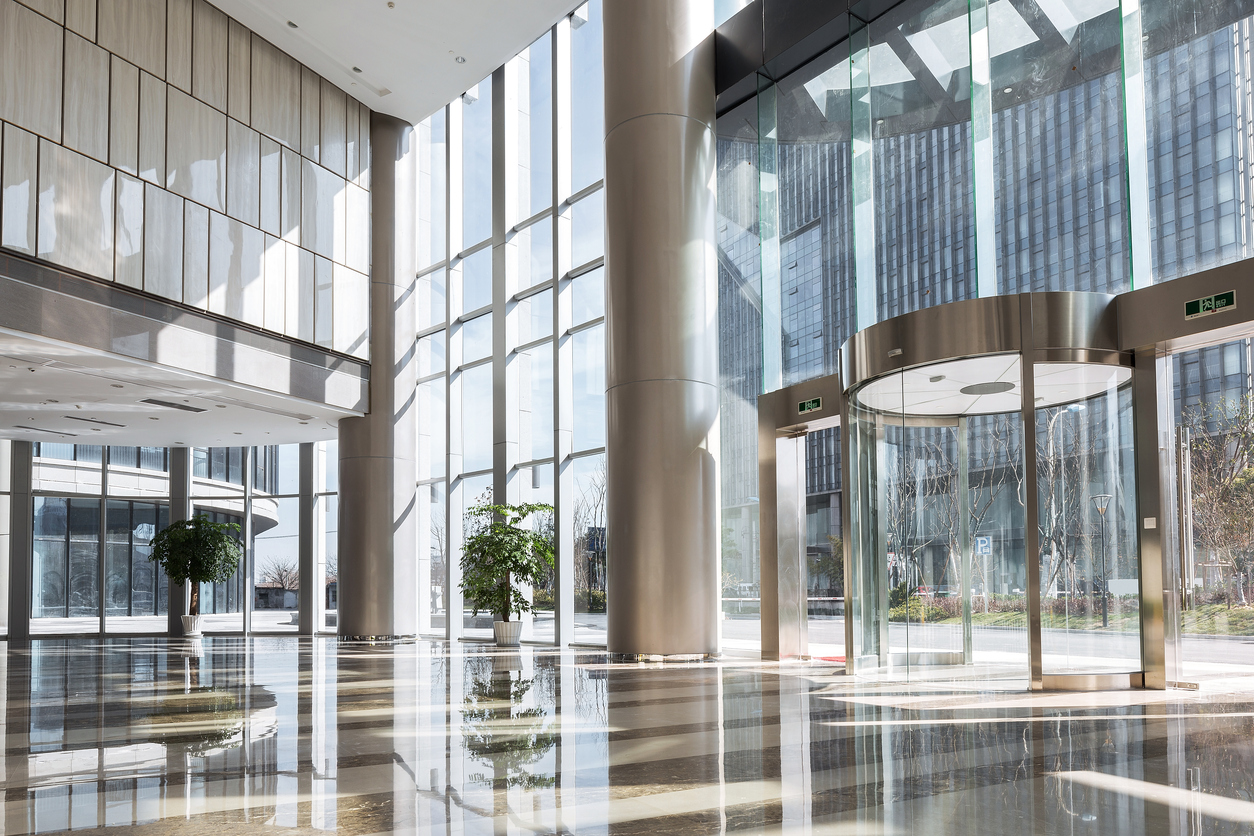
{"points": [[378, 467], [661, 328]]}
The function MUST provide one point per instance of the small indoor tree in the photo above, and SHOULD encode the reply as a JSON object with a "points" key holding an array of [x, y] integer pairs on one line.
{"points": [[501, 551], [197, 551]]}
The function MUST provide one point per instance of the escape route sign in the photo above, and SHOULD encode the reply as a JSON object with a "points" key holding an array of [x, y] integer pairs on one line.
{"points": [[1208, 305], [812, 405]]}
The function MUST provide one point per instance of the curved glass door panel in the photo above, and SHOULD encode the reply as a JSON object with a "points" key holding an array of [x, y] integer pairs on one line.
{"points": [[937, 570], [1090, 580]]}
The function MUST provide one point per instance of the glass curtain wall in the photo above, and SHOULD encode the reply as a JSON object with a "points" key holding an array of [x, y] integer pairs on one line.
{"points": [[511, 340], [275, 538], [93, 527], [952, 149], [96, 511]]}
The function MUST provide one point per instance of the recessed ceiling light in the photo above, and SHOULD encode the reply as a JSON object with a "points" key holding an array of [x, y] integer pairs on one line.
{"points": [[153, 418], [52, 400], [95, 429], [461, 59], [995, 387], [239, 433], [293, 25], [220, 405], [302, 423], [1007, 90], [937, 378], [356, 69], [116, 385]]}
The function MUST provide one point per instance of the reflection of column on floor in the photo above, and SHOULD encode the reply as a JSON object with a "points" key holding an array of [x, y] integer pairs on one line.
{"points": [[323, 734], [432, 726], [794, 749], [16, 714], [400, 668]]}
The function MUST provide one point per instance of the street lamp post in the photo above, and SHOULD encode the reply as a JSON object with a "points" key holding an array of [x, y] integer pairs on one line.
{"points": [[1101, 502]]}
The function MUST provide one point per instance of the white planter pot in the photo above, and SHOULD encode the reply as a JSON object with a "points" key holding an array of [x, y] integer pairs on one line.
{"points": [[507, 632], [191, 625]]}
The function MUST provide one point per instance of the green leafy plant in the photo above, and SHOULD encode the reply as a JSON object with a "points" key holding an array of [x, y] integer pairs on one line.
{"points": [[197, 550], [499, 552]]}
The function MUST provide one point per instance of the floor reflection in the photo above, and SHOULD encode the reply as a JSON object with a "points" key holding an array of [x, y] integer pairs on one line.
{"points": [[228, 734]]}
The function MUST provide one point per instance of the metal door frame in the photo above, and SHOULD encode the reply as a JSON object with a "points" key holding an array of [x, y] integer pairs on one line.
{"points": [[782, 429]]}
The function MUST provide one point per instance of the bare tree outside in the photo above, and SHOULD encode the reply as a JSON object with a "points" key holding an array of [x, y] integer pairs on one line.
{"points": [[589, 520], [1221, 455], [283, 573]]}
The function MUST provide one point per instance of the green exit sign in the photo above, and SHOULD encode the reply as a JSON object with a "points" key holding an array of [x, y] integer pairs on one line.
{"points": [[812, 405], [1208, 305]]}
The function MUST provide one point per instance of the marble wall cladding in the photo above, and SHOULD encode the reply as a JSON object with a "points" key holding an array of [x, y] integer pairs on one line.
{"points": [[128, 248], [195, 255], [322, 211], [310, 113], [18, 178], [162, 145], [350, 312], [47, 8], [31, 64], [275, 285], [238, 72], [80, 17], [333, 120], [152, 127], [124, 117], [357, 230], [271, 186], [86, 127], [209, 49], [275, 94], [178, 50], [351, 163], [196, 151], [363, 148], [163, 243], [300, 296], [243, 173], [290, 183], [236, 270], [76, 207], [323, 283], [135, 30]]}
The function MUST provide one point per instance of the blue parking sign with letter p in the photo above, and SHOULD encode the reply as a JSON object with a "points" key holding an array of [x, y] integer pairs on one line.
{"points": [[983, 545]]}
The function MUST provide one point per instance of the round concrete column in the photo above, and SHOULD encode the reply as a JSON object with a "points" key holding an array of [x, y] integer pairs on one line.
{"points": [[378, 468], [661, 327]]}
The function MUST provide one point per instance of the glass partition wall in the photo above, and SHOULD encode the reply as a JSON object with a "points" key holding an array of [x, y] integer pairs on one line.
{"points": [[940, 486]]}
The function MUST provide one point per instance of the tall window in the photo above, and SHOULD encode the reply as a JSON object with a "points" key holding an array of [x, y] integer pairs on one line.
{"points": [[511, 339]]}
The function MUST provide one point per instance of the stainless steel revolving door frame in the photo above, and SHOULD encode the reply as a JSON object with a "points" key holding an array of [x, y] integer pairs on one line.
{"points": [[1036, 334]]}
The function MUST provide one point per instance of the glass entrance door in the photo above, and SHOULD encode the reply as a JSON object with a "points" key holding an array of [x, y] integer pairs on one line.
{"points": [[1213, 568]]}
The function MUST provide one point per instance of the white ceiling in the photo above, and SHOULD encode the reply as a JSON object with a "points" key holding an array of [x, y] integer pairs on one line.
{"points": [[407, 54], [58, 393], [936, 390]]}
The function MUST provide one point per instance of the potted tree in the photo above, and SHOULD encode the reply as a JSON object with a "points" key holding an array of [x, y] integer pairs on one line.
{"points": [[499, 553], [197, 551]]}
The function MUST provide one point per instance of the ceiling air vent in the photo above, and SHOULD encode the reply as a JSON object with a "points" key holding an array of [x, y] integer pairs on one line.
{"points": [[93, 421], [169, 405]]}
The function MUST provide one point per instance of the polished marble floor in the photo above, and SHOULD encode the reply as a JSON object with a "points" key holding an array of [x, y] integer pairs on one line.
{"points": [[283, 735]]}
